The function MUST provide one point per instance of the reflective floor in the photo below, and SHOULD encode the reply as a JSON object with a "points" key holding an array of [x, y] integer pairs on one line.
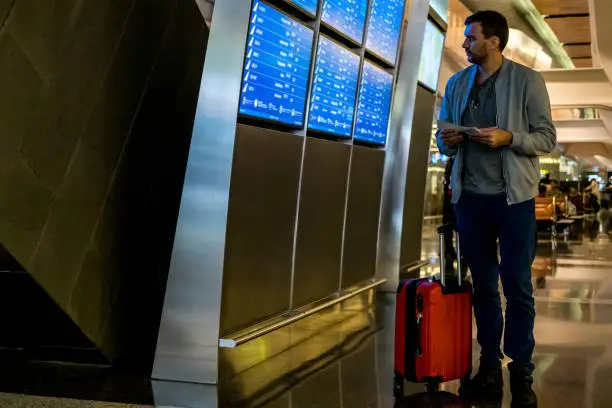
{"points": [[344, 357]]}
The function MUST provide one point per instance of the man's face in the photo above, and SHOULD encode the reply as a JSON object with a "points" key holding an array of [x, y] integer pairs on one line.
{"points": [[477, 47]]}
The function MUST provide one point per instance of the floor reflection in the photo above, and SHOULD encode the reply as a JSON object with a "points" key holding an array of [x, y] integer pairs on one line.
{"points": [[573, 286], [344, 357]]}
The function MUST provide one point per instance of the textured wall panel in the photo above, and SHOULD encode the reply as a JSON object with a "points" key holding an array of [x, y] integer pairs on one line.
{"points": [[416, 176], [321, 220], [97, 110], [260, 226], [362, 215]]}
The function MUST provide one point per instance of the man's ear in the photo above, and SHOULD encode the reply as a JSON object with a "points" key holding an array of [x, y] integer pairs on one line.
{"points": [[494, 43]]}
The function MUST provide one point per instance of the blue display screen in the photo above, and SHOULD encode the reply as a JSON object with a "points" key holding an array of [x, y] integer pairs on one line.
{"points": [[332, 104], [384, 28], [276, 67], [307, 5], [346, 17], [374, 105]]}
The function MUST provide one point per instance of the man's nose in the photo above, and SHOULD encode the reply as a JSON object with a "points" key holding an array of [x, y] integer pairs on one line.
{"points": [[466, 44]]}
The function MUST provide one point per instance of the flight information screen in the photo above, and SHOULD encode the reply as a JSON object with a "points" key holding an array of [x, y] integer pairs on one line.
{"points": [[309, 6], [276, 67], [334, 91], [374, 105], [431, 56], [346, 16], [384, 27]]}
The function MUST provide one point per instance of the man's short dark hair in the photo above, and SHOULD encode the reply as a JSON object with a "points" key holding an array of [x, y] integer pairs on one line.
{"points": [[493, 24]]}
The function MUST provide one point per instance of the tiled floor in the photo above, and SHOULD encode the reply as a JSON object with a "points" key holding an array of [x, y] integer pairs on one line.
{"points": [[27, 401], [344, 357]]}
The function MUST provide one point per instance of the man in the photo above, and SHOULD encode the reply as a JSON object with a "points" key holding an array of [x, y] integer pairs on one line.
{"points": [[495, 179]]}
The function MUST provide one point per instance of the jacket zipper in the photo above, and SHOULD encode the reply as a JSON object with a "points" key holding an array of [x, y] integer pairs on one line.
{"points": [[501, 152]]}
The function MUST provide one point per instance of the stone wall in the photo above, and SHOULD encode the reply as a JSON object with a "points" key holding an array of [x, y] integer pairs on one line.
{"points": [[97, 104]]}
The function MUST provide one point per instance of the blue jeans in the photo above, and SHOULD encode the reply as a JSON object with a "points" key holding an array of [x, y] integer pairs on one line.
{"points": [[482, 220]]}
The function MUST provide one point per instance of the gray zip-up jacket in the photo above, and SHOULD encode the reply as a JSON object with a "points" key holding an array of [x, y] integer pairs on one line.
{"points": [[523, 108]]}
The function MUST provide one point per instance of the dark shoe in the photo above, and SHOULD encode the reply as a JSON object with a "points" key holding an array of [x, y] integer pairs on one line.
{"points": [[522, 391], [487, 383]]}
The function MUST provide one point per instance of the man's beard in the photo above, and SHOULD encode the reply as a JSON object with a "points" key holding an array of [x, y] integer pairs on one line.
{"points": [[477, 59]]}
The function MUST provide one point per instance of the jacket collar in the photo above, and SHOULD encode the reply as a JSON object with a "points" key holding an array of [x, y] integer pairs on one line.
{"points": [[472, 72]]}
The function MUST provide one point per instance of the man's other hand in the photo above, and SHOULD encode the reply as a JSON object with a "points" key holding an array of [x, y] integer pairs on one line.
{"points": [[451, 137], [493, 137]]}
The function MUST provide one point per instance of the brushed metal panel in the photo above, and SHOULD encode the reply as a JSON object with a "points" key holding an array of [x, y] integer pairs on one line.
{"points": [[260, 226], [187, 347], [320, 220], [249, 376], [398, 146], [362, 215], [416, 176], [170, 394]]}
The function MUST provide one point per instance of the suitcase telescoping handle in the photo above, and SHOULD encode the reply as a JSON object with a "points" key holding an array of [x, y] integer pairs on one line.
{"points": [[442, 231]]}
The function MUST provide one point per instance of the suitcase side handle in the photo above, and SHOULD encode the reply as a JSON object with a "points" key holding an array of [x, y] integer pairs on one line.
{"points": [[442, 231], [418, 349]]}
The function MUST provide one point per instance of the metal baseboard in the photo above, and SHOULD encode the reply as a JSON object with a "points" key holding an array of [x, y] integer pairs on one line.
{"points": [[246, 335]]}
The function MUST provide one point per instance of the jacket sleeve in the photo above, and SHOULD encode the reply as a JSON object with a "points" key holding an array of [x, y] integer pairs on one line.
{"points": [[447, 116], [542, 136]]}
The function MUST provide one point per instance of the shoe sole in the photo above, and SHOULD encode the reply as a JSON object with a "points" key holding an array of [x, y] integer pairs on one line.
{"points": [[483, 393], [513, 405]]}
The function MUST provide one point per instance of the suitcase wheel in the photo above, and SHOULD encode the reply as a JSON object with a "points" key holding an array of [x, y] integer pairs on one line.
{"points": [[433, 385], [398, 386], [466, 378]]}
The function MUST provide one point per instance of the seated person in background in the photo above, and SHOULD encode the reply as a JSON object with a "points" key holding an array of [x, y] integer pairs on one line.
{"points": [[592, 203], [605, 216], [593, 188], [544, 205], [577, 200], [566, 207], [606, 194], [554, 190]]}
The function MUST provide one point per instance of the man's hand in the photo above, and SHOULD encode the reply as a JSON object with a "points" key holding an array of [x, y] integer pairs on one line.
{"points": [[451, 137], [493, 137]]}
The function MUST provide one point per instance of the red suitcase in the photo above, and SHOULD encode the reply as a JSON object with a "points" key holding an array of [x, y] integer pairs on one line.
{"points": [[433, 328]]}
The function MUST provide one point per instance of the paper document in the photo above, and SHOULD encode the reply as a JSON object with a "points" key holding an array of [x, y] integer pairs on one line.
{"points": [[462, 129]]}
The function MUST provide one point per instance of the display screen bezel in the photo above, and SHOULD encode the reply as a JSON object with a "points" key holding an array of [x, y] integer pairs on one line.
{"points": [[364, 142], [440, 30], [399, 37], [342, 34], [259, 119], [329, 133], [302, 9]]}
